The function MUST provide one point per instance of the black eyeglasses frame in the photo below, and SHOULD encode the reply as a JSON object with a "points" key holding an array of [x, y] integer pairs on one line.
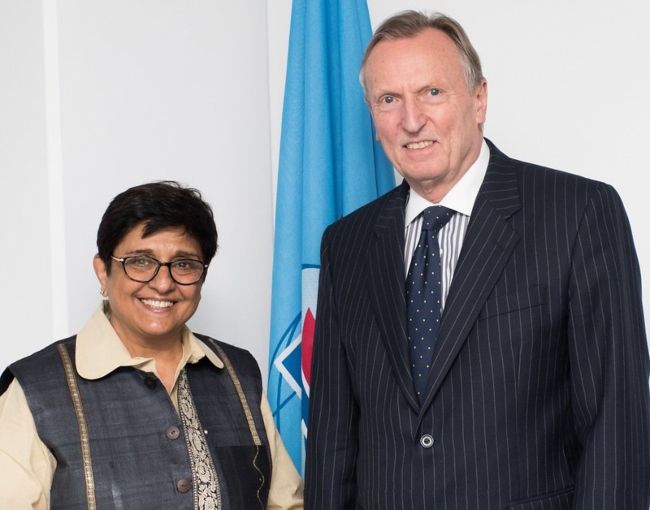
{"points": [[168, 265]]}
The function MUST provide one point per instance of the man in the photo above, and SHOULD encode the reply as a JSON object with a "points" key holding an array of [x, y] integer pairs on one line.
{"points": [[480, 340]]}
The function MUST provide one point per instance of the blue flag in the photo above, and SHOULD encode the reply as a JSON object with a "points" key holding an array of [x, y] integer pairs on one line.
{"points": [[330, 164]]}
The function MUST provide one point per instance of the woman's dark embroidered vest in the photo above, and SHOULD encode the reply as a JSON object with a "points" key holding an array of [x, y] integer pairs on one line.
{"points": [[137, 444]]}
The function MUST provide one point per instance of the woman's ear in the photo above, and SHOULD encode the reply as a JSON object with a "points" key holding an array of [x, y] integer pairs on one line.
{"points": [[100, 271]]}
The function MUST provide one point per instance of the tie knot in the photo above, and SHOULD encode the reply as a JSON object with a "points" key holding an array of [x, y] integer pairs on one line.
{"points": [[436, 217]]}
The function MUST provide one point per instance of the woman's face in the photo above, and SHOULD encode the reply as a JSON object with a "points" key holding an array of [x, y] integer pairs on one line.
{"points": [[152, 313]]}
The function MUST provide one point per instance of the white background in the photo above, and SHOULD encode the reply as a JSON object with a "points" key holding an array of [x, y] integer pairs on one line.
{"points": [[97, 96]]}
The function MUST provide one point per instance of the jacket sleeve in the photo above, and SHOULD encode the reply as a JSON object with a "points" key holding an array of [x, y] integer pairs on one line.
{"points": [[609, 361], [330, 471]]}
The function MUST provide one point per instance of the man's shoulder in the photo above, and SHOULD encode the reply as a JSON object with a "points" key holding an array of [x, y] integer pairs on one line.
{"points": [[365, 217], [536, 179]]}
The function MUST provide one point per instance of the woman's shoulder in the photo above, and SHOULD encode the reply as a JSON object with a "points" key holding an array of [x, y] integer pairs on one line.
{"points": [[36, 367], [238, 357]]}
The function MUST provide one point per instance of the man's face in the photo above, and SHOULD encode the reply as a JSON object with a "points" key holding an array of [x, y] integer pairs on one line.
{"points": [[428, 122]]}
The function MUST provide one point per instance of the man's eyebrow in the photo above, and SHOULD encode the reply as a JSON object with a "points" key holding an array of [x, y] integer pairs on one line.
{"points": [[385, 92]]}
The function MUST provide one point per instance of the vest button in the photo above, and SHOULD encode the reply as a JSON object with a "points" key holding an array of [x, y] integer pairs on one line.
{"points": [[184, 485], [150, 382], [426, 441], [173, 432]]}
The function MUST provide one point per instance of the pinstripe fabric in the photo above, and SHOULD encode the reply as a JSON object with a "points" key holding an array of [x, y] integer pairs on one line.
{"points": [[450, 240], [538, 394]]}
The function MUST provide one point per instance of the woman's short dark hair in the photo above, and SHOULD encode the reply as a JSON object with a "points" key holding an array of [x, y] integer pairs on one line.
{"points": [[158, 205]]}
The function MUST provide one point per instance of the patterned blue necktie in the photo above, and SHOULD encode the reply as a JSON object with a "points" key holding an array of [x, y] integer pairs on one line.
{"points": [[424, 295]]}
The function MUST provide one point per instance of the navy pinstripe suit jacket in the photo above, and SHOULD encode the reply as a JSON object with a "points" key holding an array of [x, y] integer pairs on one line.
{"points": [[538, 393]]}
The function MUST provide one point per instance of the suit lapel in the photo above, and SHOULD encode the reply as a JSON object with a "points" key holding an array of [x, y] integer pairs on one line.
{"points": [[488, 244], [386, 288]]}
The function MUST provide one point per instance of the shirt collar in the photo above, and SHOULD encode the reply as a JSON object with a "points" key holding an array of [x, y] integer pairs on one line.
{"points": [[461, 197], [99, 350]]}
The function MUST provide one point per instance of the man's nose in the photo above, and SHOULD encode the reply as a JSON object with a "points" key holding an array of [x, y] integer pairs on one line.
{"points": [[414, 118]]}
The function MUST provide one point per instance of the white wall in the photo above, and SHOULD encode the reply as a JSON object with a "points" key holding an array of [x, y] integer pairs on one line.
{"points": [[96, 96], [148, 90], [25, 280]]}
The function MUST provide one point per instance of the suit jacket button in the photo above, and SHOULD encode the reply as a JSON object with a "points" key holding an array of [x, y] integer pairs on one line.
{"points": [[184, 485], [426, 441], [173, 432], [150, 382]]}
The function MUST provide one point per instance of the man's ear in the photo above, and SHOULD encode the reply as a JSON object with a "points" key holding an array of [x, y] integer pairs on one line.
{"points": [[480, 97]]}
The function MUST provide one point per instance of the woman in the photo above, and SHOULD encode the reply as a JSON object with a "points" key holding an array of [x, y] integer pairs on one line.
{"points": [[136, 411]]}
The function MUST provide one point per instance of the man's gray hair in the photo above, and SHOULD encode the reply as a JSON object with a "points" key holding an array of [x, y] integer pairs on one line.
{"points": [[410, 23]]}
